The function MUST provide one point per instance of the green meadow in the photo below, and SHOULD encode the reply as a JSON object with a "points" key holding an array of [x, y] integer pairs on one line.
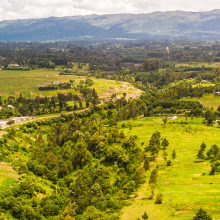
{"points": [[186, 185], [27, 83], [208, 100], [198, 64]]}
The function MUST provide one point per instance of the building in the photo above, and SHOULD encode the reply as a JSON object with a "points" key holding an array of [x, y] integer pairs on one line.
{"points": [[3, 124], [11, 106], [21, 119], [56, 82], [172, 118], [15, 65], [0, 107]]}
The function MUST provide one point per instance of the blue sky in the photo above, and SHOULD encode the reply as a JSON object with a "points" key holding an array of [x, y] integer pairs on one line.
{"points": [[25, 9]]}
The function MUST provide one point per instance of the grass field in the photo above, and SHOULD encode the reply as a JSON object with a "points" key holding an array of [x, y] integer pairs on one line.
{"points": [[198, 64], [186, 185], [208, 100], [27, 83]]}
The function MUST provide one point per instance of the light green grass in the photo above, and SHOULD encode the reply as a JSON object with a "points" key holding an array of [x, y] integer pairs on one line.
{"points": [[198, 64], [186, 184], [208, 100]]}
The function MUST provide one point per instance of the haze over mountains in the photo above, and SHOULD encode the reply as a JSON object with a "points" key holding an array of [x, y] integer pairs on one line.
{"points": [[157, 25]]}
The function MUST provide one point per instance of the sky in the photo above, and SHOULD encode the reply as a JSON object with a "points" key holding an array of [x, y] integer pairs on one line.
{"points": [[25, 9]]}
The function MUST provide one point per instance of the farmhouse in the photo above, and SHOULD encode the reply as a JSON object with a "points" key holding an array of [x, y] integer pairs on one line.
{"points": [[15, 65], [3, 124], [21, 119], [11, 106], [172, 118]]}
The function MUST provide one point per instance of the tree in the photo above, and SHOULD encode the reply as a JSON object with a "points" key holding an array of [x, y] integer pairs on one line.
{"points": [[147, 164], [165, 156], [165, 143], [153, 179], [210, 116], [154, 144], [159, 199], [145, 216], [202, 215], [165, 121], [200, 154], [174, 154], [146, 65]]}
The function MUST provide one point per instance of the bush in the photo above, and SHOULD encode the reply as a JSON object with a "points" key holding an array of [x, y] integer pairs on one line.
{"points": [[159, 199], [169, 163], [202, 215]]}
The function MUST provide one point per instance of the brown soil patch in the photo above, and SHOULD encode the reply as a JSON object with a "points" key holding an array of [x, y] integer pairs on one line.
{"points": [[182, 212]]}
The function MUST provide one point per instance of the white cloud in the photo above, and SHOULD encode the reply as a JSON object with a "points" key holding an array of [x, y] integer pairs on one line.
{"points": [[24, 9]]}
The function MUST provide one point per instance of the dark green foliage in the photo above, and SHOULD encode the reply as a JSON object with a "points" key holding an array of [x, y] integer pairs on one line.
{"points": [[159, 199], [213, 152], [169, 163], [200, 154], [146, 164], [202, 215], [165, 144], [145, 216], [174, 154], [154, 144], [153, 178]]}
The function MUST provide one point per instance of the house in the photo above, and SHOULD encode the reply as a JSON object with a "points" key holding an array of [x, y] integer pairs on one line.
{"points": [[205, 81], [172, 118], [21, 119], [15, 65], [3, 124], [0, 107], [56, 69], [11, 106]]}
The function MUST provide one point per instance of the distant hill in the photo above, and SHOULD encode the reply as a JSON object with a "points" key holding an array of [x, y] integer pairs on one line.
{"points": [[157, 25]]}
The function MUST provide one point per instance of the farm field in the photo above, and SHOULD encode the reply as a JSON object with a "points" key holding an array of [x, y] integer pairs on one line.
{"points": [[186, 185], [27, 83]]}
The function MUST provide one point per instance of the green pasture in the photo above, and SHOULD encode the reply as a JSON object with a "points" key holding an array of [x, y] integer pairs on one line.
{"points": [[27, 82], [198, 64], [186, 185], [208, 100]]}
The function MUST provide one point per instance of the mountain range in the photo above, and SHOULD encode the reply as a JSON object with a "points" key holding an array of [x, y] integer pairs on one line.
{"points": [[156, 25]]}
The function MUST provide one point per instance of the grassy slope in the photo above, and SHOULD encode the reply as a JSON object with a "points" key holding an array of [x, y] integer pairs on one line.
{"points": [[183, 183]]}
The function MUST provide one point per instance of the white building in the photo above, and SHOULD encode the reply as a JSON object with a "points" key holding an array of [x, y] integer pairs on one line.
{"points": [[11, 106], [21, 119], [172, 118], [3, 124]]}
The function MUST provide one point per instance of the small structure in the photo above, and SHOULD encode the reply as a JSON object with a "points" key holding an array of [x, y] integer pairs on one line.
{"points": [[57, 82], [11, 106], [3, 124], [15, 65], [56, 69], [21, 119], [172, 118], [0, 107], [205, 81]]}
